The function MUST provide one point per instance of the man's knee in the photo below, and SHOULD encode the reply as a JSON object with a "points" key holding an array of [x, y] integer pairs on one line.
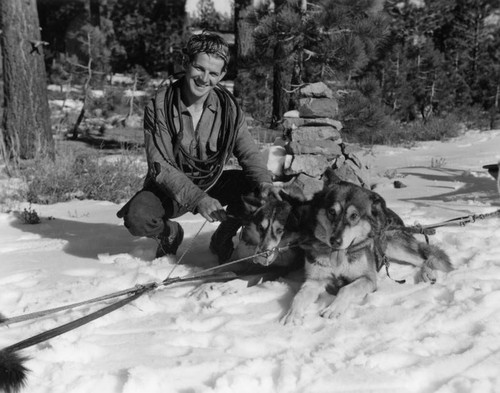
{"points": [[229, 189], [144, 215]]}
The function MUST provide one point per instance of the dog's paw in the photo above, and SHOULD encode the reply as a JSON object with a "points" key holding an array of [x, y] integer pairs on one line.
{"points": [[334, 310], [293, 318], [426, 274]]}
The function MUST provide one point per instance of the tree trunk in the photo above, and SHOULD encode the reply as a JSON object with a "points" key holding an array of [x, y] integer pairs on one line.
{"points": [[280, 76], [95, 13], [242, 41], [296, 80], [280, 97], [86, 89], [26, 131]]}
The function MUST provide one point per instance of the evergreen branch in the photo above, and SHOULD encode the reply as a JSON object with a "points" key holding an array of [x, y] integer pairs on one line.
{"points": [[295, 89]]}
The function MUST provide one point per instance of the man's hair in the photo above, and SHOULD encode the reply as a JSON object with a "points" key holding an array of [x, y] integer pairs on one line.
{"points": [[209, 43]]}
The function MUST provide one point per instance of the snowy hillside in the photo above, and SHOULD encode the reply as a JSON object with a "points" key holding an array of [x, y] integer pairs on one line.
{"points": [[225, 337]]}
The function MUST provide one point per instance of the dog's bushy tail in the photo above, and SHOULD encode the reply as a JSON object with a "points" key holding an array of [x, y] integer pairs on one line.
{"points": [[435, 257], [13, 373]]}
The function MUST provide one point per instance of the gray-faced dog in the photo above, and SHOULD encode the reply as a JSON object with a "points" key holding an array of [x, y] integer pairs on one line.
{"points": [[271, 230]]}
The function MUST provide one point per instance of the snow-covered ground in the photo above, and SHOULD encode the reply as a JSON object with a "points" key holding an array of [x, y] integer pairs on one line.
{"points": [[225, 337]]}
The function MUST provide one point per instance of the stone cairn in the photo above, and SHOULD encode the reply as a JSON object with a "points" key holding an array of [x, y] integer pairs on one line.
{"points": [[311, 142]]}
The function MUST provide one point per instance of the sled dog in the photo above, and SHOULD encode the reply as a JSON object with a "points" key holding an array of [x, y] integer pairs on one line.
{"points": [[347, 236], [276, 226], [270, 232]]}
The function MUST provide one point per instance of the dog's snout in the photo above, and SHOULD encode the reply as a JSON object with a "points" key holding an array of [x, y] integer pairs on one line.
{"points": [[335, 242]]}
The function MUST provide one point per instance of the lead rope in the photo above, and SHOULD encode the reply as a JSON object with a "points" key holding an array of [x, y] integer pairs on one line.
{"points": [[13, 373], [459, 221], [185, 251], [131, 291]]}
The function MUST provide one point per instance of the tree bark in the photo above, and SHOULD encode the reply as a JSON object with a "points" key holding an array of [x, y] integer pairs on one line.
{"points": [[280, 97], [26, 129], [242, 41], [280, 77]]}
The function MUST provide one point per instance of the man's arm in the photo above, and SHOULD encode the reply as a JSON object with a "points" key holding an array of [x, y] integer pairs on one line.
{"points": [[249, 157], [251, 160]]}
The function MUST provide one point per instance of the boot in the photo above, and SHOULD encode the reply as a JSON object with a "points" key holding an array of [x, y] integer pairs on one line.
{"points": [[170, 239], [221, 243]]}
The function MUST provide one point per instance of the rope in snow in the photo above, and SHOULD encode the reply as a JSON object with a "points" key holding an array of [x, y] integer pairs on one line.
{"points": [[133, 293], [459, 221], [168, 281], [186, 250], [12, 370]]}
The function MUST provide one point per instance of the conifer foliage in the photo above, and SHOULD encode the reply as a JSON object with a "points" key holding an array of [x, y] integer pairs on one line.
{"points": [[307, 41], [443, 56]]}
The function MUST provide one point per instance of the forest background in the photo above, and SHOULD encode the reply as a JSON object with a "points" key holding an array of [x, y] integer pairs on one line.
{"points": [[402, 71]]}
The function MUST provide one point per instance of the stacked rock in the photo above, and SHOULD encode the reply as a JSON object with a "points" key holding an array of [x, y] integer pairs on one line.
{"points": [[312, 141]]}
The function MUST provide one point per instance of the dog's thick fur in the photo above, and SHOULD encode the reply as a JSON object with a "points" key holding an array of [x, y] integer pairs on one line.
{"points": [[349, 231], [271, 231]]}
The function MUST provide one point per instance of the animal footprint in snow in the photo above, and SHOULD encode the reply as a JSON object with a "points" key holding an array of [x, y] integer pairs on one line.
{"points": [[211, 291]]}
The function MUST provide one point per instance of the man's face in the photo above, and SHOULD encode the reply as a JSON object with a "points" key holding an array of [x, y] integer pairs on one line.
{"points": [[203, 73]]}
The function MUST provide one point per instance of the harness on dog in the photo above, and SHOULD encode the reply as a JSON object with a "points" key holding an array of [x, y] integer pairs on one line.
{"points": [[382, 260], [380, 257]]}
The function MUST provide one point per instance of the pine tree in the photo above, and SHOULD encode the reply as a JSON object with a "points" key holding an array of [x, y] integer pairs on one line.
{"points": [[207, 18], [493, 76], [151, 32], [311, 41], [418, 80], [274, 37], [453, 41]]}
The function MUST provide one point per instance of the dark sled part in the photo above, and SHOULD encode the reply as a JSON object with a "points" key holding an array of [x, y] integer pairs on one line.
{"points": [[13, 373], [492, 169]]}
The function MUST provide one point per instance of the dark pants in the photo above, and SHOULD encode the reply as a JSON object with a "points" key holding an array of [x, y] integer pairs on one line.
{"points": [[148, 210]]}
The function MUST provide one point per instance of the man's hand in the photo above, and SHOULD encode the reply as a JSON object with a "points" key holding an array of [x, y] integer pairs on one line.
{"points": [[268, 189], [211, 209]]}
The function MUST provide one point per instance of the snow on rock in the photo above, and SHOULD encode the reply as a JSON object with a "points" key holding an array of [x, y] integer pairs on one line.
{"points": [[225, 337]]}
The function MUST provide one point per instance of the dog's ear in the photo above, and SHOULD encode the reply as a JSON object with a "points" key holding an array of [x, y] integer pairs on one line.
{"points": [[379, 211], [330, 178], [251, 203], [393, 219], [299, 209], [298, 217], [384, 216], [294, 197]]}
